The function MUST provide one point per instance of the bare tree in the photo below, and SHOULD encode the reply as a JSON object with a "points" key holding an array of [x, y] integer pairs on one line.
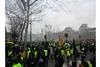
{"points": [[19, 14], [16, 25], [26, 6], [20, 11]]}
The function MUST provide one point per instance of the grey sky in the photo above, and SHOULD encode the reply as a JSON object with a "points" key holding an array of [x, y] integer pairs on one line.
{"points": [[67, 13]]}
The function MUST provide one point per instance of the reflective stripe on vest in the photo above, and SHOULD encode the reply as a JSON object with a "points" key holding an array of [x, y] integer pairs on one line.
{"points": [[35, 54], [22, 55], [9, 53], [62, 52], [29, 53], [45, 51], [68, 53], [71, 51], [22, 58], [90, 65]]}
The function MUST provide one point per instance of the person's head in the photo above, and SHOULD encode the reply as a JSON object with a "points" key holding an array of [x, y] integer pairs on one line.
{"points": [[22, 49]]}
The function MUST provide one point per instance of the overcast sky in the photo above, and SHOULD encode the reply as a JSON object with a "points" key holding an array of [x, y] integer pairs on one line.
{"points": [[67, 13]]}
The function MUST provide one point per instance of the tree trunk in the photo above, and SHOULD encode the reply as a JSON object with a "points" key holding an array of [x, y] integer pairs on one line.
{"points": [[27, 24]]}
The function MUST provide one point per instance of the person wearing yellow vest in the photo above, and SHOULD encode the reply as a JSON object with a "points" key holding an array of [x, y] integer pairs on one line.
{"points": [[16, 62], [10, 48], [86, 64], [22, 54], [68, 54], [71, 52], [62, 52], [45, 52], [35, 54], [10, 52], [28, 52], [35, 57], [46, 56], [68, 51]]}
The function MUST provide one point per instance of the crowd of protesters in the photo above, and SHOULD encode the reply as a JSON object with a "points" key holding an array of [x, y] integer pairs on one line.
{"points": [[39, 54]]}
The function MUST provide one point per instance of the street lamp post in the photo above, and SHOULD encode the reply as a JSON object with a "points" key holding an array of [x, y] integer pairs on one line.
{"points": [[30, 33]]}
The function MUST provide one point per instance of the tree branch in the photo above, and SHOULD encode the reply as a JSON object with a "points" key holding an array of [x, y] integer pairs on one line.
{"points": [[24, 3], [33, 3]]}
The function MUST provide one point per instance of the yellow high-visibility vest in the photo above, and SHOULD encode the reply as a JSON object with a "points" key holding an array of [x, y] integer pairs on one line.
{"points": [[17, 65], [62, 52], [9, 53], [68, 53], [22, 55], [71, 51], [35, 54], [90, 65], [29, 51], [45, 52], [22, 58]]}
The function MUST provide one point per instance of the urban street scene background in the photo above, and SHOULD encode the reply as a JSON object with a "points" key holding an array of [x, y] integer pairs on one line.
{"points": [[50, 33]]}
